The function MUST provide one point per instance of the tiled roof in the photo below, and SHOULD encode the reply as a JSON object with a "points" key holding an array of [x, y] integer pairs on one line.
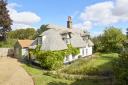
{"points": [[25, 43]]}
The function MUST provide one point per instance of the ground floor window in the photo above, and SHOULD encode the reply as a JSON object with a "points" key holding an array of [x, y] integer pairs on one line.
{"points": [[73, 56], [83, 51], [67, 58], [86, 51]]}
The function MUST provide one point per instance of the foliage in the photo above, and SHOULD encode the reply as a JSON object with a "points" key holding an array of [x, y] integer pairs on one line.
{"points": [[49, 59], [98, 45], [121, 67], [9, 43], [5, 21], [42, 29], [98, 65], [28, 33], [41, 79], [72, 50], [110, 41], [53, 59]]}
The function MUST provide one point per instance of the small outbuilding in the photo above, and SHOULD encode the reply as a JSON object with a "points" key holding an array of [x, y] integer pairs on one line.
{"points": [[21, 48]]}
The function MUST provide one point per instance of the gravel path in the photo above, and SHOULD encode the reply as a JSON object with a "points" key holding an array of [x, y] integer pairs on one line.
{"points": [[11, 73]]}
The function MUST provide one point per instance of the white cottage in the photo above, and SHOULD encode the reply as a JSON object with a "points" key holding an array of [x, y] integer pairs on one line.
{"points": [[58, 37]]}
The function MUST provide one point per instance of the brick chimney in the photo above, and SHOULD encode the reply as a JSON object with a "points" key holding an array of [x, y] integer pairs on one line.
{"points": [[69, 22]]}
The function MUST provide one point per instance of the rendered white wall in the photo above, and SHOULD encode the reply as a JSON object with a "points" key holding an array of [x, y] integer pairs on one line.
{"points": [[87, 51], [24, 52]]}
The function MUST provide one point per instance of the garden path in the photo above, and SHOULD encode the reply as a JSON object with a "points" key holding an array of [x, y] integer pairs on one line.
{"points": [[11, 73]]}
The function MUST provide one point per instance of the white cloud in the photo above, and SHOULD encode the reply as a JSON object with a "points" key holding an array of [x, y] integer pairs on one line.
{"points": [[97, 33], [22, 18], [99, 13], [84, 26], [121, 9], [20, 26], [105, 13]]}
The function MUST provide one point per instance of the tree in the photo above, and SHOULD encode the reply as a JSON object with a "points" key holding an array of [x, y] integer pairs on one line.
{"points": [[28, 33], [98, 45], [42, 29], [112, 39], [120, 67], [5, 21]]}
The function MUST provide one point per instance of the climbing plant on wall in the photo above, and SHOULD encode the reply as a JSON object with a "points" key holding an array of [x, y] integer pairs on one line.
{"points": [[53, 59]]}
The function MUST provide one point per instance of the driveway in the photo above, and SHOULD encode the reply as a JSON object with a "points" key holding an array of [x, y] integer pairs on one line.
{"points": [[11, 73]]}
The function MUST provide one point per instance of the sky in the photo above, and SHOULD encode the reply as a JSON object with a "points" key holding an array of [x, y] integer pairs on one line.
{"points": [[91, 15]]}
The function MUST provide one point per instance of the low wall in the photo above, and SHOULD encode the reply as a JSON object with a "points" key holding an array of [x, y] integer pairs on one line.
{"points": [[4, 52]]}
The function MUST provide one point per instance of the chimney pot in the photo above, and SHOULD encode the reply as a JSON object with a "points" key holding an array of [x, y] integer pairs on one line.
{"points": [[69, 22]]}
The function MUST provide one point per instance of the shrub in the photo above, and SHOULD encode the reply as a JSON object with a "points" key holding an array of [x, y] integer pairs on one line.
{"points": [[53, 59], [121, 67], [50, 60]]}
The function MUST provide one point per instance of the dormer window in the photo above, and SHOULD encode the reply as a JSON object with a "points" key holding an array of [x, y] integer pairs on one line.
{"points": [[66, 37], [85, 35]]}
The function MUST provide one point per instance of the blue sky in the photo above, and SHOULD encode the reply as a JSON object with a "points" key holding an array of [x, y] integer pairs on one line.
{"points": [[93, 15]]}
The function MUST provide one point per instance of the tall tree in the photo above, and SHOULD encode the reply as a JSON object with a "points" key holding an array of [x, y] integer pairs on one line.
{"points": [[5, 21], [112, 39]]}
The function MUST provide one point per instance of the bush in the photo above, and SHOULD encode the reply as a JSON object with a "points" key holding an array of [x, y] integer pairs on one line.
{"points": [[121, 68], [52, 60]]}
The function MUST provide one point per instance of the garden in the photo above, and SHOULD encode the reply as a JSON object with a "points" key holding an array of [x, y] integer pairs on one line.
{"points": [[100, 65]]}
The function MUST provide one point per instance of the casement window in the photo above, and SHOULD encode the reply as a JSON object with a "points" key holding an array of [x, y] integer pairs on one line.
{"points": [[86, 51], [73, 57], [67, 58], [83, 51], [66, 37]]}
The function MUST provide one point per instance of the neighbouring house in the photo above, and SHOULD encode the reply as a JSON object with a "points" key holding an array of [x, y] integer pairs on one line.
{"points": [[58, 37], [21, 48]]}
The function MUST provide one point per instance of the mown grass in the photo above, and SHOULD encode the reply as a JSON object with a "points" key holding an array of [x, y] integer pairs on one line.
{"points": [[100, 64], [41, 79], [9, 43]]}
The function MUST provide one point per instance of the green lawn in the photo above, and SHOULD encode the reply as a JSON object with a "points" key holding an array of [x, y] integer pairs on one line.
{"points": [[102, 61], [41, 79]]}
